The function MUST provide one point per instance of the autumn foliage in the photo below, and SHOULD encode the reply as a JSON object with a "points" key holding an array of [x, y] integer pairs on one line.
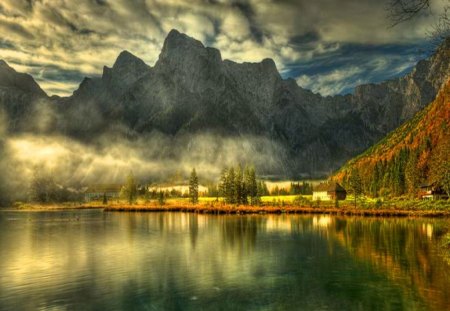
{"points": [[416, 152]]}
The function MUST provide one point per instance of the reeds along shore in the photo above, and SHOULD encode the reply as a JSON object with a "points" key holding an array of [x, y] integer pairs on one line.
{"points": [[244, 209]]}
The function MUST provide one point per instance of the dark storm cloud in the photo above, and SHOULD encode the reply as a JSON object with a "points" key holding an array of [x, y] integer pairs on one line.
{"points": [[249, 13], [312, 41], [305, 39]]}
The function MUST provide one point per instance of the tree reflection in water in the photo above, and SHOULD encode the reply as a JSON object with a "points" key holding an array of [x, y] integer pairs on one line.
{"points": [[172, 261]]}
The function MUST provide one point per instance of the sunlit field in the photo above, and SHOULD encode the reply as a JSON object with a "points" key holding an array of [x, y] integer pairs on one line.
{"points": [[282, 198], [264, 199]]}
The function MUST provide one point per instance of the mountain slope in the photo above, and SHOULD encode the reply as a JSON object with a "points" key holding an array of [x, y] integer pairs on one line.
{"points": [[191, 91], [418, 151], [18, 95]]}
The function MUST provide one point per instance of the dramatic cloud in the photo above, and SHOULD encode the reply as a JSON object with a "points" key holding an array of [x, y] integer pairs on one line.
{"points": [[354, 65], [59, 42]]}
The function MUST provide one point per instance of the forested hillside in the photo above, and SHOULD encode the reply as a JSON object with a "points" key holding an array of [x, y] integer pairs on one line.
{"points": [[417, 152]]}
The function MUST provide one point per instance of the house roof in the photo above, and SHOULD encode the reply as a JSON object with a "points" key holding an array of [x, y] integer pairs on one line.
{"points": [[331, 186], [427, 185]]}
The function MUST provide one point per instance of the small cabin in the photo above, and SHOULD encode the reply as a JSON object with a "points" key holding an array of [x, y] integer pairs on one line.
{"points": [[329, 191], [98, 191], [430, 191]]}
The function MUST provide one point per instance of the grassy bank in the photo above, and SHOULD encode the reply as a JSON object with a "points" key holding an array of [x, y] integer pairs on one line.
{"points": [[287, 209], [270, 204], [20, 206]]}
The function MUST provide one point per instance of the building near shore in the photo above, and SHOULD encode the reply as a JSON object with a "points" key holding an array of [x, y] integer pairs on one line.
{"points": [[430, 191], [329, 191]]}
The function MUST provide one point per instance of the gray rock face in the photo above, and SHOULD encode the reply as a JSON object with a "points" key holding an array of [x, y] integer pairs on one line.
{"points": [[19, 94], [386, 105], [192, 90]]}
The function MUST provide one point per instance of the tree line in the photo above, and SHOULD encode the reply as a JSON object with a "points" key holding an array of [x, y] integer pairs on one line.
{"points": [[236, 185], [404, 173], [240, 186], [295, 188]]}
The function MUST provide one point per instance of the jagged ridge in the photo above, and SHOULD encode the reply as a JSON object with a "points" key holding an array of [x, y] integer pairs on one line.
{"points": [[191, 89]]}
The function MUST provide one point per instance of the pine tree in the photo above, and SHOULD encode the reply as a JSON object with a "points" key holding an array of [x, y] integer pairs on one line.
{"points": [[247, 185], [231, 188], [375, 181], [238, 185], [255, 195], [129, 190], [354, 182], [161, 198], [193, 187], [223, 182], [412, 175], [439, 173]]}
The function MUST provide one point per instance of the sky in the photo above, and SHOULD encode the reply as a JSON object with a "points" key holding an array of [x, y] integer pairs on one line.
{"points": [[327, 46]]}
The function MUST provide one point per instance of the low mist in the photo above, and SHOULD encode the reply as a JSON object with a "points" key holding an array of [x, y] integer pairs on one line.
{"points": [[153, 158]]}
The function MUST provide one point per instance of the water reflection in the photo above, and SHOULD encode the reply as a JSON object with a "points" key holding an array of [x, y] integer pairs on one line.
{"points": [[92, 260]]}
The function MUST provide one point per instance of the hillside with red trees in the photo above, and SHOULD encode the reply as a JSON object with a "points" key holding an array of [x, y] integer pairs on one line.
{"points": [[415, 153]]}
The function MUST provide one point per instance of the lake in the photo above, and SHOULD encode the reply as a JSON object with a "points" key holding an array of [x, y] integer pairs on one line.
{"points": [[94, 260]]}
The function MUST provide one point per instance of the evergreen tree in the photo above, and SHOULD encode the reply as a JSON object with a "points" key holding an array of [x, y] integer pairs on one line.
{"points": [[231, 187], [354, 183], [129, 190], [223, 183], [238, 185], [262, 188], [412, 175], [247, 185], [193, 187], [439, 173], [375, 181], [255, 195], [161, 198]]}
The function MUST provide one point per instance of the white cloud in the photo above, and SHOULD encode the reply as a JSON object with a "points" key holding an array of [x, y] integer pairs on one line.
{"points": [[333, 82]]}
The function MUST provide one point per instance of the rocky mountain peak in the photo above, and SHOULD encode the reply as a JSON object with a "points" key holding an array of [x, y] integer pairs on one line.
{"points": [[189, 63], [22, 81], [127, 59], [127, 69], [190, 89], [176, 42], [269, 63], [179, 49]]}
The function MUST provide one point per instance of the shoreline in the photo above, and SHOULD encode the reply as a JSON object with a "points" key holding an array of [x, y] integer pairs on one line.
{"points": [[246, 210], [238, 210]]}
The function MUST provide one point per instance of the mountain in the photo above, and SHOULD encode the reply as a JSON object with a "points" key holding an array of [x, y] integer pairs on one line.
{"points": [[191, 90], [18, 95], [416, 152]]}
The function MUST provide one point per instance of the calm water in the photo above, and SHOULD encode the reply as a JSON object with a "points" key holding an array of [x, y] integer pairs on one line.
{"points": [[90, 260]]}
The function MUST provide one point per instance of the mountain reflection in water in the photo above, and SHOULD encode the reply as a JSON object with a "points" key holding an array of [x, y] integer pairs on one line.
{"points": [[174, 261]]}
